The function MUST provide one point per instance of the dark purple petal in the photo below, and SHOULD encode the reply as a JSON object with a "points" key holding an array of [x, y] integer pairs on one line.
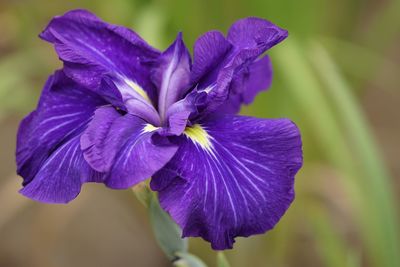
{"points": [[210, 51], [247, 40], [130, 98], [126, 147], [247, 84], [23, 150], [172, 75], [257, 77], [177, 122], [255, 33], [64, 108], [92, 139], [231, 105], [91, 48], [60, 178], [180, 113], [232, 176]]}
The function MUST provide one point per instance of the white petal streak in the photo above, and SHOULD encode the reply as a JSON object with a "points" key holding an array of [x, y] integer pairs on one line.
{"points": [[60, 117], [228, 192], [243, 167], [58, 126]]}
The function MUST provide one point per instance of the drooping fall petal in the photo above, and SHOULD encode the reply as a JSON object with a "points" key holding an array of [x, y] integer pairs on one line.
{"points": [[232, 176]]}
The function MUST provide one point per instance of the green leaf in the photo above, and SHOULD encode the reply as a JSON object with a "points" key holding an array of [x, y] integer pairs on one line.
{"points": [[380, 218], [221, 260], [166, 231], [384, 26], [188, 260], [330, 243]]}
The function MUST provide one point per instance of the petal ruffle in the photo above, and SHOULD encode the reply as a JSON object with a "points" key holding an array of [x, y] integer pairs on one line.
{"points": [[247, 84], [255, 33], [91, 49], [232, 176], [126, 147], [64, 109], [247, 40], [61, 176], [209, 53]]}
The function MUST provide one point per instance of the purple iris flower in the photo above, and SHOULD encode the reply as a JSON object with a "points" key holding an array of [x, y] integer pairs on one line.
{"points": [[121, 111]]}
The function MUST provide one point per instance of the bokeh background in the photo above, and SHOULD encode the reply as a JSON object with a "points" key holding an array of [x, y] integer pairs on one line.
{"points": [[337, 76]]}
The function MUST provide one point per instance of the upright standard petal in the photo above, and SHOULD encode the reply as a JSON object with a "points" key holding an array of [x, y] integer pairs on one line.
{"points": [[210, 53], [172, 75], [125, 146], [255, 33], [247, 84], [232, 176], [91, 48], [247, 40], [64, 108]]}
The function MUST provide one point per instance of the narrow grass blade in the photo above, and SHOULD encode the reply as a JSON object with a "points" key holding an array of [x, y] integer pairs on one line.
{"points": [[380, 216]]}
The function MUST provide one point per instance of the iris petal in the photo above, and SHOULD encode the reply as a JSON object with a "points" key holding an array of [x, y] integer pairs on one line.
{"points": [[92, 49], [247, 40], [64, 108], [210, 51], [247, 84], [240, 184], [48, 154], [121, 94], [172, 75], [61, 176], [125, 146], [255, 33]]}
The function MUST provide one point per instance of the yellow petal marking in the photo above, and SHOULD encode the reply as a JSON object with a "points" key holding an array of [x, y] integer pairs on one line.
{"points": [[150, 128], [199, 136], [138, 90]]}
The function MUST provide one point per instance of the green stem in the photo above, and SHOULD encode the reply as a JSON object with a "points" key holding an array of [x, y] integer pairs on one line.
{"points": [[166, 231]]}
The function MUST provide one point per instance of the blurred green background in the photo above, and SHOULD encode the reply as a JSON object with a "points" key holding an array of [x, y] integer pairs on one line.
{"points": [[337, 76]]}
